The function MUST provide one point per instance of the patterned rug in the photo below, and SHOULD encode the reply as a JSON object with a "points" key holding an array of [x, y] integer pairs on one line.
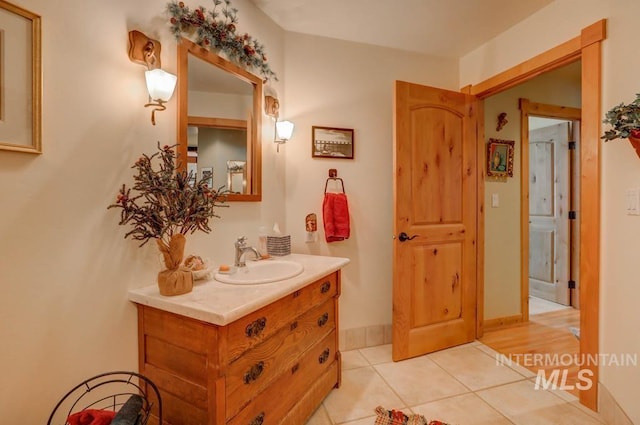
{"points": [[397, 417]]}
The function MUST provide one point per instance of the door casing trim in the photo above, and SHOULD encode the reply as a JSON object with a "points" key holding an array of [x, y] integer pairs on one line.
{"points": [[586, 47]]}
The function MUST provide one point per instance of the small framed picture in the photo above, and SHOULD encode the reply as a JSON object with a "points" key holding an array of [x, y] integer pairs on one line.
{"points": [[500, 158], [207, 175], [330, 142]]}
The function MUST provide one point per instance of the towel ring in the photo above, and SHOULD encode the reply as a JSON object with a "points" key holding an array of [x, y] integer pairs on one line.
{"points": [[333, 175], [334, 178]]}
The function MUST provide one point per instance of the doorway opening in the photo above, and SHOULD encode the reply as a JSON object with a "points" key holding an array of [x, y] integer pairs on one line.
{"points": [[587, 48], [552, 143], [549, 204]]}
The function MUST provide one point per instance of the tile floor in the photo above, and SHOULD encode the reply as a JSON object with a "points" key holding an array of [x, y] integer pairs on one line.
{"points": [[539, 305], [462, 386]]}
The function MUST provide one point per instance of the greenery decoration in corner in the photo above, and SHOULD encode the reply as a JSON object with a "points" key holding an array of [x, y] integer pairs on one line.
{"points": [[216, 29], [624, 120], [166, 202]]}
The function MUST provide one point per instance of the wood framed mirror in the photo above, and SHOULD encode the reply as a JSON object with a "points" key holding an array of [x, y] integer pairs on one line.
{"points": [[219, 120]]}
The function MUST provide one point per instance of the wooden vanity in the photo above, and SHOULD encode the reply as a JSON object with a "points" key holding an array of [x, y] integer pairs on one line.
{"points": [[271, 362]]}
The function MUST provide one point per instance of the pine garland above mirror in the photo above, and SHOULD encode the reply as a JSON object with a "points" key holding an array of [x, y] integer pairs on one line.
{"points": [[216, 29]]}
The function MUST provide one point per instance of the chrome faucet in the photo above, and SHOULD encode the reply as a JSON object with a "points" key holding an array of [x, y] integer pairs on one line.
{"points": [[241, 249]]}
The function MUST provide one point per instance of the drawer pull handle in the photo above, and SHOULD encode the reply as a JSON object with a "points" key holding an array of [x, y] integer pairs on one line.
{"points": [[296, 294], [324, 356], [323, 319], [295, 368], [325, 287], [258, 420], [253, 373], [256, 327], [293, 325]]}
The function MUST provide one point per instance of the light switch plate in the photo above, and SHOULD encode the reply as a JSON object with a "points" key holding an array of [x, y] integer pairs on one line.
{"points": [[495, 200], [633, 201]]}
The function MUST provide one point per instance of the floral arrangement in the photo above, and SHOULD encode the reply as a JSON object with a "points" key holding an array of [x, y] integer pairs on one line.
{"points": [[217, 29], [624, 120], [165, 202]]}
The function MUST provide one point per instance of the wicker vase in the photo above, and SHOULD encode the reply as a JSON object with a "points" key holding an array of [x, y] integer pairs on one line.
{"points": [[634, 138], [175, 279]]}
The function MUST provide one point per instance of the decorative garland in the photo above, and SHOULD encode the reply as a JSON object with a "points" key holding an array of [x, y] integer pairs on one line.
{"points": [[217, 29]]}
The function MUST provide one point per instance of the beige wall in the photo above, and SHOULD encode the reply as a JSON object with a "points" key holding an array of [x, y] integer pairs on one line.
{"points": [[620, 233], [64, 266], [65, 269], [342, 84], [502, 224]]}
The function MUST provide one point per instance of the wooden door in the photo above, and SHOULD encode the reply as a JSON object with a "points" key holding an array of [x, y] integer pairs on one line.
{"points": [[549, 198], [435, 205]]}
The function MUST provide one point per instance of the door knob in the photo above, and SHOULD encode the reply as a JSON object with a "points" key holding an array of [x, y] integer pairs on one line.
{"points": [[404, 237]]}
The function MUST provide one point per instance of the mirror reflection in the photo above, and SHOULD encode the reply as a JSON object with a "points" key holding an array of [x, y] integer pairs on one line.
{"points": [[219, 117], [236, 176]]}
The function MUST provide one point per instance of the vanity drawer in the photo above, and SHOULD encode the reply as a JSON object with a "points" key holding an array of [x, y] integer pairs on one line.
{"points": [[254, 328], [253, 372], [268, 408]]}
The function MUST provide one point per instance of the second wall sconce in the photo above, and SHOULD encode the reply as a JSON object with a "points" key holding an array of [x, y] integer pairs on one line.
{"points": [[160, 84], [284, 130]]}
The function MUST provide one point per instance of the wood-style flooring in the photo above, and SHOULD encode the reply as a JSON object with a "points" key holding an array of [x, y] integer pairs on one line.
{"points": [[545, 333]]}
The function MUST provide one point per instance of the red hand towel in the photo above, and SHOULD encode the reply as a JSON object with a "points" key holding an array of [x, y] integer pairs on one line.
{"points": [[91, 417], [335, 213]]}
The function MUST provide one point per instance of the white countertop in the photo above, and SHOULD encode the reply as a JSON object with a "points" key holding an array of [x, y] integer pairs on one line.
{"points": [[221, 303]]}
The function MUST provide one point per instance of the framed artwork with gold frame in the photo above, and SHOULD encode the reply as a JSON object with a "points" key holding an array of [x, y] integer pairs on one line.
{"points": [[500, 158], [21, 82]]}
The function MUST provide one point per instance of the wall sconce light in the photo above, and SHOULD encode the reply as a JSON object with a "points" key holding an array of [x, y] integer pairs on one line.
{"points": [[160, 84], [284, 130]]}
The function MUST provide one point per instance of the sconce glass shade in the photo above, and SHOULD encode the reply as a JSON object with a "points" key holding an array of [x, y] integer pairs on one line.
{"points": [[160, 84], [284, 130]]}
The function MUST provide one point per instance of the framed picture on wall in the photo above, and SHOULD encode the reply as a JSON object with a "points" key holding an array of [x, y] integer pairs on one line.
{"points": [[331, 142], [207, 174], [500, 158], [20, 80]]}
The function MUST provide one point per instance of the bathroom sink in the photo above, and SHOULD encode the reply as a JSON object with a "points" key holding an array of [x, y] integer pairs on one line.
{"points": [[263, 271]]}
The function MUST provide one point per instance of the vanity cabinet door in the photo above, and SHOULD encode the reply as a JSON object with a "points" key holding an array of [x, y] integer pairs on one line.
{"points": [[258, 326], [316, 369], [174, 352], [256, 369]]}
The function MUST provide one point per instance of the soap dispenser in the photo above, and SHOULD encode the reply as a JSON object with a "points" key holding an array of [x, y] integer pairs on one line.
{"points": [[262, 239]]}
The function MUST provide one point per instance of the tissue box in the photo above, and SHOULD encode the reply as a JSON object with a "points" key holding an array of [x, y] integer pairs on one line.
{"points": [[279, 245]]}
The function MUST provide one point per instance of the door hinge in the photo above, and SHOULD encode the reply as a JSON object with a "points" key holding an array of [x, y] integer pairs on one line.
{"points": [[572, 146], [572, 215], [572, 284]]}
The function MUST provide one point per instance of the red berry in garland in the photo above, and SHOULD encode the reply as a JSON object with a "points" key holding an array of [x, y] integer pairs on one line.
{"points": [[181, 4]]}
